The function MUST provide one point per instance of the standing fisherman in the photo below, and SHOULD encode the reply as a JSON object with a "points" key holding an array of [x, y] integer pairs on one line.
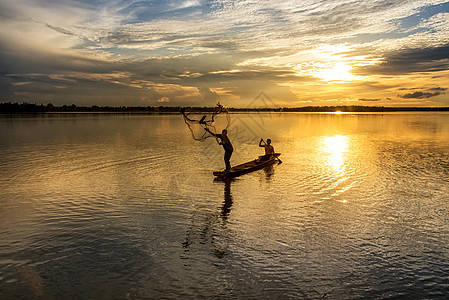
{"points": [[227, 146]]}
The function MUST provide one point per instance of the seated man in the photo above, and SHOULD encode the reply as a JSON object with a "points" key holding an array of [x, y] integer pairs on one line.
{"points": [[269, 149]]}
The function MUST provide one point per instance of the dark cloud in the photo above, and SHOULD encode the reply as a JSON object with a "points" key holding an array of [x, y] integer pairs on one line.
{"points": [[369, 100], [249, 89], [439, 89], [83, 80], [151, 96], [6, 93], [209, 96], [419, 95], [59, 29], [16, 60], [413, 60], [44, 89]]}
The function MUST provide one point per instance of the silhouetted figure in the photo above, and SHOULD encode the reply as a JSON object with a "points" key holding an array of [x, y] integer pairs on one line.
{"points": [[269, 149], [227, 146], [226, 209]]}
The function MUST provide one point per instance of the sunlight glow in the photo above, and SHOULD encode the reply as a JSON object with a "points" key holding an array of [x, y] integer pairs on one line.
{"points": [[339, 72], [336, 147]]}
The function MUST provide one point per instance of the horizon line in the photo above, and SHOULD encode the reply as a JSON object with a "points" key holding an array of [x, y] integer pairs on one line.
{"points": [[33, 107]]}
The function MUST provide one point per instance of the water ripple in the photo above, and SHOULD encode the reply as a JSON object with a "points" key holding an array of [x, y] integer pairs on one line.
{"points": [[126, 207]]}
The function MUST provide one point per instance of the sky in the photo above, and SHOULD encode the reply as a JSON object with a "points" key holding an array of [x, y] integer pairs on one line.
{"points": [[291, 53]]}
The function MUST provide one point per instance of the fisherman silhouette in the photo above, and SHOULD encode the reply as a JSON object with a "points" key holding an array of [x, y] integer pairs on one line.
{"points": [[269, 149], [227, 146]]}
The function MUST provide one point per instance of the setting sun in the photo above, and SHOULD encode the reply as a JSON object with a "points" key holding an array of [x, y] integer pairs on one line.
{"points": [[339, 72], [224, 149]]}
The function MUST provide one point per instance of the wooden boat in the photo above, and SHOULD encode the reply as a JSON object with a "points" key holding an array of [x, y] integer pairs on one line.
{"points": [[248, 167]]}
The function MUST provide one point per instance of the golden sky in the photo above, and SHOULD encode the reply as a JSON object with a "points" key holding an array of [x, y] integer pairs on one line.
{"points": [[299, 53]]}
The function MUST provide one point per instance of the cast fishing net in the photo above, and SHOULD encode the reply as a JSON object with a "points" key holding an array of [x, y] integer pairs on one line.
{"points": [[215, 121]]}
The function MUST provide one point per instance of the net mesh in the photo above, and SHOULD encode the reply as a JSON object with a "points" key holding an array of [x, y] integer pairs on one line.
{"points": [[215, 121]]}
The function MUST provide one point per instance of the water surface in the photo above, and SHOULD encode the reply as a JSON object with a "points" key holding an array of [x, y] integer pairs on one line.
{"points": [[104, 206]]}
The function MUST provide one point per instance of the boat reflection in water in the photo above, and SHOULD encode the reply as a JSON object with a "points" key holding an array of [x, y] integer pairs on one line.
{"points": [[208, 229], [269, 172]]}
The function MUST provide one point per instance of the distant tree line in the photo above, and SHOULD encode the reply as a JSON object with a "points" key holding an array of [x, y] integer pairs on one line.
{"points": [[359, 108], [50, 108]]}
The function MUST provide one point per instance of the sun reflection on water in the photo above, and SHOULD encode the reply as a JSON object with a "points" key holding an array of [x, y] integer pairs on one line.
{"points": [[336, 147]]}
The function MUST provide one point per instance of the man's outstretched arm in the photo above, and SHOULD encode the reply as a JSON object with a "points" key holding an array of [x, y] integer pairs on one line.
{"points": [[207, 129]]}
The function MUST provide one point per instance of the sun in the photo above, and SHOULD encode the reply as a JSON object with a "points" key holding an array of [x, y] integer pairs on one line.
{"points": [[338, 72]]}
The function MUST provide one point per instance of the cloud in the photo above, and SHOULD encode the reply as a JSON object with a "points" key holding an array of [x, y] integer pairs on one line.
{"points": [[431, 92], [126, 52], [369, 100], [6, 93], [222, 25], [418, 95], [164, 100], [414, 60], [439, 89], [209, 97]]}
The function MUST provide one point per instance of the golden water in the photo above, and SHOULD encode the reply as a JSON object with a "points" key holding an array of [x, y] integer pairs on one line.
{"points": [[125, 206]]}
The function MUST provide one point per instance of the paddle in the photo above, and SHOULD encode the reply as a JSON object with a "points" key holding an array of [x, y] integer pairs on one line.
{"points": [[280, 161]]}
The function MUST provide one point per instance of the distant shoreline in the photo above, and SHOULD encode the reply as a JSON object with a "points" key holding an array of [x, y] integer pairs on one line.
{"points": [[49, 108]]}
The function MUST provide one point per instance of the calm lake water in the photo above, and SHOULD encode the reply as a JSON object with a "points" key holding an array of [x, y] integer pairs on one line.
{"points": [[111, 206]]}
